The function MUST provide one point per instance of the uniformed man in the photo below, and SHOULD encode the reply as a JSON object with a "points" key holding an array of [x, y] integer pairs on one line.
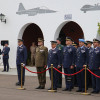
{"points": [[94, 66], [5, 54], [33, 51], [21, 58], [60, 48], [54, 58], [75, 44], [41, 62], [90, 49], [81, 61], [69, 54]]}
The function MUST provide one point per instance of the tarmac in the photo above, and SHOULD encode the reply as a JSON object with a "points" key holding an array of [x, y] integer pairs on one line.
{"points": [[8, 90]]}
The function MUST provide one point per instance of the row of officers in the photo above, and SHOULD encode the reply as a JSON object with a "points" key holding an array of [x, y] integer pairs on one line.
{"points": [[72, 58]]}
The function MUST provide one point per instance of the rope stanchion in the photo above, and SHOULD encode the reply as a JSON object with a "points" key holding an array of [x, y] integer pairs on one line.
{"points": [[52, 90], [69, 74], [85, 93], [21, 78], [93, 73], [36, 72]]}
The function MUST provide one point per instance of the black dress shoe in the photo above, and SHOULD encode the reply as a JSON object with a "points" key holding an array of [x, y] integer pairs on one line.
{"points": [[65, 89], [93, 91], [18, 84], [4, 71], [79, 91], [42, 87], [38, 87], [96, 92]]}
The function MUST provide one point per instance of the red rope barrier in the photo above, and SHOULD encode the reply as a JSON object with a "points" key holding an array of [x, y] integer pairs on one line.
{"points": [[36, 72], [69, 74], [93, 73]]}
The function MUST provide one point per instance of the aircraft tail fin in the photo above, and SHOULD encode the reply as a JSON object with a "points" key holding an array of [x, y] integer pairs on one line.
{"points": [[21, 7]]}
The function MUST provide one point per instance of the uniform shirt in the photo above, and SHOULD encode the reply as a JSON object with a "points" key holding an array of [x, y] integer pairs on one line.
{"points": [[21, 55], [41, 56], [82, 56], [60, 48], [6, 52], [69, 56], [54, 57], [33, 50], [94, 62]]}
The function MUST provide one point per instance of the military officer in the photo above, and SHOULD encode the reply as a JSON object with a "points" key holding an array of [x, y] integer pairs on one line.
{"points": [[5, 54], [54, 58], [69, 54], [41, 62], [60, 48], [94, 66], [90, 49], [21, 58], [81, 61], [75, 44]]}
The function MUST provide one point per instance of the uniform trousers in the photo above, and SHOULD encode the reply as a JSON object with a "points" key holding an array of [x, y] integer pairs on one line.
{"points": [[41, 76], [19, 73]]}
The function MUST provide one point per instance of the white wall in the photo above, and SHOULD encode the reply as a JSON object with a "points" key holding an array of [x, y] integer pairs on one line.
{"points": [[47, 22]]}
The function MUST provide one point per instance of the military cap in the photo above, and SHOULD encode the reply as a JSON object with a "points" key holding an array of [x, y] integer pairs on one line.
{"points": [[53, 42], [96, 40], [89, 42], [5, 43], [20, 40], [69, 39], [75, 44], [40, 39], [59, 39], [82, 40]]}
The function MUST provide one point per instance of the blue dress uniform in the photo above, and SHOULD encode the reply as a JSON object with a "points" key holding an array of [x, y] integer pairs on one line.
{"points": [[5, 53], [54, 58], [94, 64], [69, 56], [60, 47], [21, 58], [82, 59]]}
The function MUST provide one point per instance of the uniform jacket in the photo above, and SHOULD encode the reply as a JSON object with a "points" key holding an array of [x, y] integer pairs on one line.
{"points": [[41, 56], [94, 62], [21, 55], [54, 57], [6, 52], [69, 56], [82, 57], [60, 48]]}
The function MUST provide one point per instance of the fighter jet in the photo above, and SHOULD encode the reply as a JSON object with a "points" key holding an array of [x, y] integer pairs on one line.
{"points": [[86, 8], [34, 11]]}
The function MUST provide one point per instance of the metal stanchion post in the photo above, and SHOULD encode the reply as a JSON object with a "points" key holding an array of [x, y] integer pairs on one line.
{"points": [[52, 90], [86, 82], [21, 78]]}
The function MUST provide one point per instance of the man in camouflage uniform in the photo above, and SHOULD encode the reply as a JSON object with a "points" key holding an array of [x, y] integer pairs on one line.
{"points": [[60, 48], [41, 62]]}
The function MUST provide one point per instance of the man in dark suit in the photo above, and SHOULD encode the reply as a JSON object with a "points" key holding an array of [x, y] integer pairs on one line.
{"points": [[5, 54], [21, 58]]}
